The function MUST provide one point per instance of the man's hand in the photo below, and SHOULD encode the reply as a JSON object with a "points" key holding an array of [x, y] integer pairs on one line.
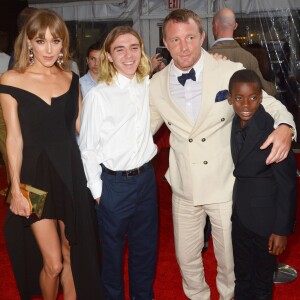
{"points": [[218, 56], [277, 244], [281, 139]]}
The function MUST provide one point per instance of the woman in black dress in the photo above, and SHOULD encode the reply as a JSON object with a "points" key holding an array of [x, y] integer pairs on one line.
{"points": [[41, 104]]}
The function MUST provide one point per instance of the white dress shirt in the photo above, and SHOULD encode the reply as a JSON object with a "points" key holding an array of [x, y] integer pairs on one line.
{"points": [[115, 129], [187, 97]]}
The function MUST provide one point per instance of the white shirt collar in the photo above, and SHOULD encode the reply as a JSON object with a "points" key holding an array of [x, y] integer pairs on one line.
{"points": [[89, 75], [222, 39], [198, 67], [123, 81]]}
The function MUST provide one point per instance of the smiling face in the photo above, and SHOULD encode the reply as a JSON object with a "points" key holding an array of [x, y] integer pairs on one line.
{"points": [[125, 54], [245, 97], [184, 42], [45, 49]]}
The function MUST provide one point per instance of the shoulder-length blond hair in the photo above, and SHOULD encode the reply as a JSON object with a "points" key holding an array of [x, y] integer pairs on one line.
{"points": [[36, 25], [107, 70]]}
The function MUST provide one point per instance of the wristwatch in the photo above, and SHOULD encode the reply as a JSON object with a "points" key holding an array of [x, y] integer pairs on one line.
{"points": [[293, 131]]}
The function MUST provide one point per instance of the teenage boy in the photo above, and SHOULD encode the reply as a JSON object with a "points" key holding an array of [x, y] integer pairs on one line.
{"points": [[117, 147], [264, 196]]}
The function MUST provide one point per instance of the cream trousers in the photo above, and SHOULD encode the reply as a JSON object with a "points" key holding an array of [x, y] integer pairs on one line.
{"points": [[189, 222]]}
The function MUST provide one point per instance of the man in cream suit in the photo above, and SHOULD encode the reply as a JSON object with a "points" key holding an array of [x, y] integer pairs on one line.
{"points": [[193, 107]]}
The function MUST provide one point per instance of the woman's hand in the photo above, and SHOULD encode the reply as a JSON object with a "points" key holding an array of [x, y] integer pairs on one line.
{"points": [[19, 205]]}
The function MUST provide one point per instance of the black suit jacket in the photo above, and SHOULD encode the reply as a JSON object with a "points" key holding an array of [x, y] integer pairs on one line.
{"points": [[264, 196]]}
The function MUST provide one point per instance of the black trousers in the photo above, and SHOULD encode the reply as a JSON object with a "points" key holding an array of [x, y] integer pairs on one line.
{"points": [[254, 266]]}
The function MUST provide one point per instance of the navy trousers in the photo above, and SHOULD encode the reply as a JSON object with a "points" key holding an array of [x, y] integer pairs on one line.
{"points": [[128, 208], [254, 266]]}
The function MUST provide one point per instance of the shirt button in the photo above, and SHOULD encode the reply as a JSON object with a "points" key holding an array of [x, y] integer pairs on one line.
{"points": [[205, 162], [203, 140], [190, 140], [169, 123], [223, 119]]}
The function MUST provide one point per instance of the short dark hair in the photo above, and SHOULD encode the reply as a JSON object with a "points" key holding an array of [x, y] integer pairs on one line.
{"points": [[245, 76], [94, 47]]}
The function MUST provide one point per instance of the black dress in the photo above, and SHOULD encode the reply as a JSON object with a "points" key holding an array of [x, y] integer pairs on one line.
{"points": [[52, 162]]}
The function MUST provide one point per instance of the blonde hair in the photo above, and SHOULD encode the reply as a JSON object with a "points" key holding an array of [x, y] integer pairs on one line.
{"points": [[107, 70], [36, 25]]}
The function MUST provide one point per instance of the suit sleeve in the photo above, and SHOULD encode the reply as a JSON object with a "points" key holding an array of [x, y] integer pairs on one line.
{"points": [[286, 204], [156, 118], [278, 111]]}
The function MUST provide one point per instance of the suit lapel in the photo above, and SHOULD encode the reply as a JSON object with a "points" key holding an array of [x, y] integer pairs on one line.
{"points": [[170, 102], [234, 154], [254, 135], [207, 91]]}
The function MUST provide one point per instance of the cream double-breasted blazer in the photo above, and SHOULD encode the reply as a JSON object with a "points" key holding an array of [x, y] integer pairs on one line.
{"points": [[200, 163]]}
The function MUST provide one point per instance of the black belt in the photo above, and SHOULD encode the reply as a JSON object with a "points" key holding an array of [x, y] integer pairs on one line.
{"points": [[128, 173]]}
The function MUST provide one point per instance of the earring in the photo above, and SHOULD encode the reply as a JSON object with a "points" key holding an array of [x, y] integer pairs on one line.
{"points": [[60, 58], [31, 56]]}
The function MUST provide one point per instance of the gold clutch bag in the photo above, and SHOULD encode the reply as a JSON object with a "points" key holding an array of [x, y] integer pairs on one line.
{"points": [[36, 198]]}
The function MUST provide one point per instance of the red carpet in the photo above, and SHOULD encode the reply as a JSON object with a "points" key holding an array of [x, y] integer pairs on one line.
{"points": [[168, 280]]}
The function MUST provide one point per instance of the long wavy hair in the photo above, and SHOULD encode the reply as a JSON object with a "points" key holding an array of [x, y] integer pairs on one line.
{"points": [[36, 25], [107, 70]]}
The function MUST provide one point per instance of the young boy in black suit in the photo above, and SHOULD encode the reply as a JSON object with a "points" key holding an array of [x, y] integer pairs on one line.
{"points": [[264, 196]]}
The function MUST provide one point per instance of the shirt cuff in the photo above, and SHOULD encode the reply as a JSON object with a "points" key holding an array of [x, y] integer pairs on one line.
{"points": [[96, 189]]}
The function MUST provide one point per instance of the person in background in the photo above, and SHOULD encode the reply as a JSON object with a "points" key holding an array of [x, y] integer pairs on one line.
{"points": [[264, 197], [41, 104], [157, 63], [189, 96], [4, 57], [72, 66], [117, 148], [90, 79], [224, 24]]}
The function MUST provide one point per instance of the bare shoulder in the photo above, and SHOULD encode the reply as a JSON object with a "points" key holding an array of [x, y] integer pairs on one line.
{"points": [[12, 78]]}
